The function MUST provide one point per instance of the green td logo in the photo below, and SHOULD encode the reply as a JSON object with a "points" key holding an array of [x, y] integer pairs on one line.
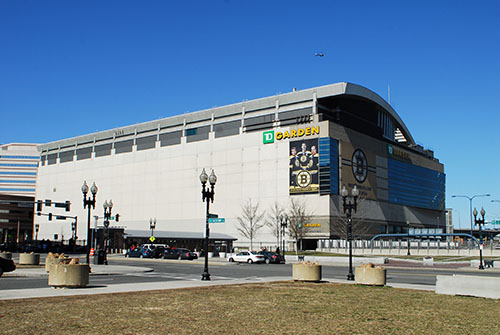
{"points": [[268, 137]]}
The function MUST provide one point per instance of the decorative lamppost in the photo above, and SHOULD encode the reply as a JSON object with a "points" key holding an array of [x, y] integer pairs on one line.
{"points": [[152, 226], [88, 203], [470, 205], [408, 240], [37, 228], [480, 222], [108, 205], [350, 203], [284, 220], [207, 196]]}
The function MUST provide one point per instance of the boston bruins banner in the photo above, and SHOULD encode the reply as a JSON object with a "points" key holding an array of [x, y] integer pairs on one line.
{"points": [[304, 158]]}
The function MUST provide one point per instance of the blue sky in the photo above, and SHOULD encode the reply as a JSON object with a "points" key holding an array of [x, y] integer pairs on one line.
{"points": [[69, 68]]}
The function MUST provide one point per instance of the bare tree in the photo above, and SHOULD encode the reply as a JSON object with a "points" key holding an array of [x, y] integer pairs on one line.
{"points": [[273, 221], [299, 217], [250, 222], [360, 228]]}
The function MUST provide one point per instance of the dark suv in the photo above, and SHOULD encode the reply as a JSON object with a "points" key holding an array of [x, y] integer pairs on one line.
{"points": [[179, 253], [272, 257]]}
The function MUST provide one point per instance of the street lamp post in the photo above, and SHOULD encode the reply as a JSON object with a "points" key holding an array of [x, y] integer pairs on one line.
{"points": [[37, 228], [107, 205], [350, 203], [207, 196], [408, 240], [470, 205], [88, 203], [284, 224], [480, 222], [152, 226]]}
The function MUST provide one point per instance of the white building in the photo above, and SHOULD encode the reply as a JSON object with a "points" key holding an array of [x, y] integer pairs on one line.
{"points": [[263, 150]]}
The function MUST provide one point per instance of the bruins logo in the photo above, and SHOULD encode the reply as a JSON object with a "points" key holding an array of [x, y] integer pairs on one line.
{"points": [[304, 178], [359, 165]]}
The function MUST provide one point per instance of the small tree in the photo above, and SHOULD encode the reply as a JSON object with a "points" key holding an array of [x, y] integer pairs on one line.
{"points": [[360, 228], [299, 218], [273, 221], [250, 222]]}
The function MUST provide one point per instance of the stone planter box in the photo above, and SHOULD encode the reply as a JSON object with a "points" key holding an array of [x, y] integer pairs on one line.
{"points": [[306, 272], [69, 275], [53, 260], [370, 276], [29, 259], [6, 255]]}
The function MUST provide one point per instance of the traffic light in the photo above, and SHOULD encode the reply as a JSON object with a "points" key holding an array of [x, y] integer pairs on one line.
{"points": [[50, 216], [117, 217], [39, 205], [68, 205]]}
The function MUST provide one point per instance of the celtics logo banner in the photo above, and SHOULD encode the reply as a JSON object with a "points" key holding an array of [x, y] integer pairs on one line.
{"points": [[304, 159]]}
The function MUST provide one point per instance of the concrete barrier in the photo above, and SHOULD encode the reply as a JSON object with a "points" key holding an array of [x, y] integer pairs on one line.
{"points": [[306, 272], [370, 276], [69, 275], [475, 286], [340, 260], [428, 261], [29, 259], [6, 255]]}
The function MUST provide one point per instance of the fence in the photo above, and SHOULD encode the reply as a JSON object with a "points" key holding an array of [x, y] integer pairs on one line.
{"points": [[416, 247]]}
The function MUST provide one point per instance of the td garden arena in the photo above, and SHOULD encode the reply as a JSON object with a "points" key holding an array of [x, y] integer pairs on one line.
{"points": [[300, 147]]}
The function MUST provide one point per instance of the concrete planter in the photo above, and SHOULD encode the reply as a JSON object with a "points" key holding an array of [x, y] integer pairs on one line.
{"points": [[51, 260], [6, 255], [306, 272], [69, 275], [29, 259], [370, 276]]}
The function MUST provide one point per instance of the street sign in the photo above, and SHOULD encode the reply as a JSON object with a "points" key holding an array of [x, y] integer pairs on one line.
{"points": [[495, 222], [213, 216], [152, 239], [217, 220]]}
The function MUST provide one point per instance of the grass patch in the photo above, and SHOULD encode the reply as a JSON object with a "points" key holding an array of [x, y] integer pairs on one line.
{"points": [[268, 308]]}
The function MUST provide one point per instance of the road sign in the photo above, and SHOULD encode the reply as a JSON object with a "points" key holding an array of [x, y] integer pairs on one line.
{"points": [[213, 216], [217, 220], [152, 239], [495, 222]]}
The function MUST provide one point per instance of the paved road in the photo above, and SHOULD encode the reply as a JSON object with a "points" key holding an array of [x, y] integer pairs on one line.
{"points": [[172, 270]]}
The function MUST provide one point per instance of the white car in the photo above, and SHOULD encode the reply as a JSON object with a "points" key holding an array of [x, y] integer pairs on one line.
{"points": [[247, 257]]}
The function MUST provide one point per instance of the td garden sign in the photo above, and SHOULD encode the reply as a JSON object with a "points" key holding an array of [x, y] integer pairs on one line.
{"points": [[303, 157], [271, 136]]}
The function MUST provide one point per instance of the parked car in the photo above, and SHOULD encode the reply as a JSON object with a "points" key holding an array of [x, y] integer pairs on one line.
{"points": [[272, 257], [6, 265], [179, 253], [140, 252], [247, 257]]}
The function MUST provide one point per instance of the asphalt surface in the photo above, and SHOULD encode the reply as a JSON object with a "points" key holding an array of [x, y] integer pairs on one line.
{"points": [[127, 275]]}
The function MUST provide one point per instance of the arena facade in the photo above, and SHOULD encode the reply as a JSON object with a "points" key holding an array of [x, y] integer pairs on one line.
{"points": [[301, 146]]}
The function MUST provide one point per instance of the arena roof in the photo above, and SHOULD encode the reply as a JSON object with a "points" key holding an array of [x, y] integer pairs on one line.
{"points": [[235, 111]]}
